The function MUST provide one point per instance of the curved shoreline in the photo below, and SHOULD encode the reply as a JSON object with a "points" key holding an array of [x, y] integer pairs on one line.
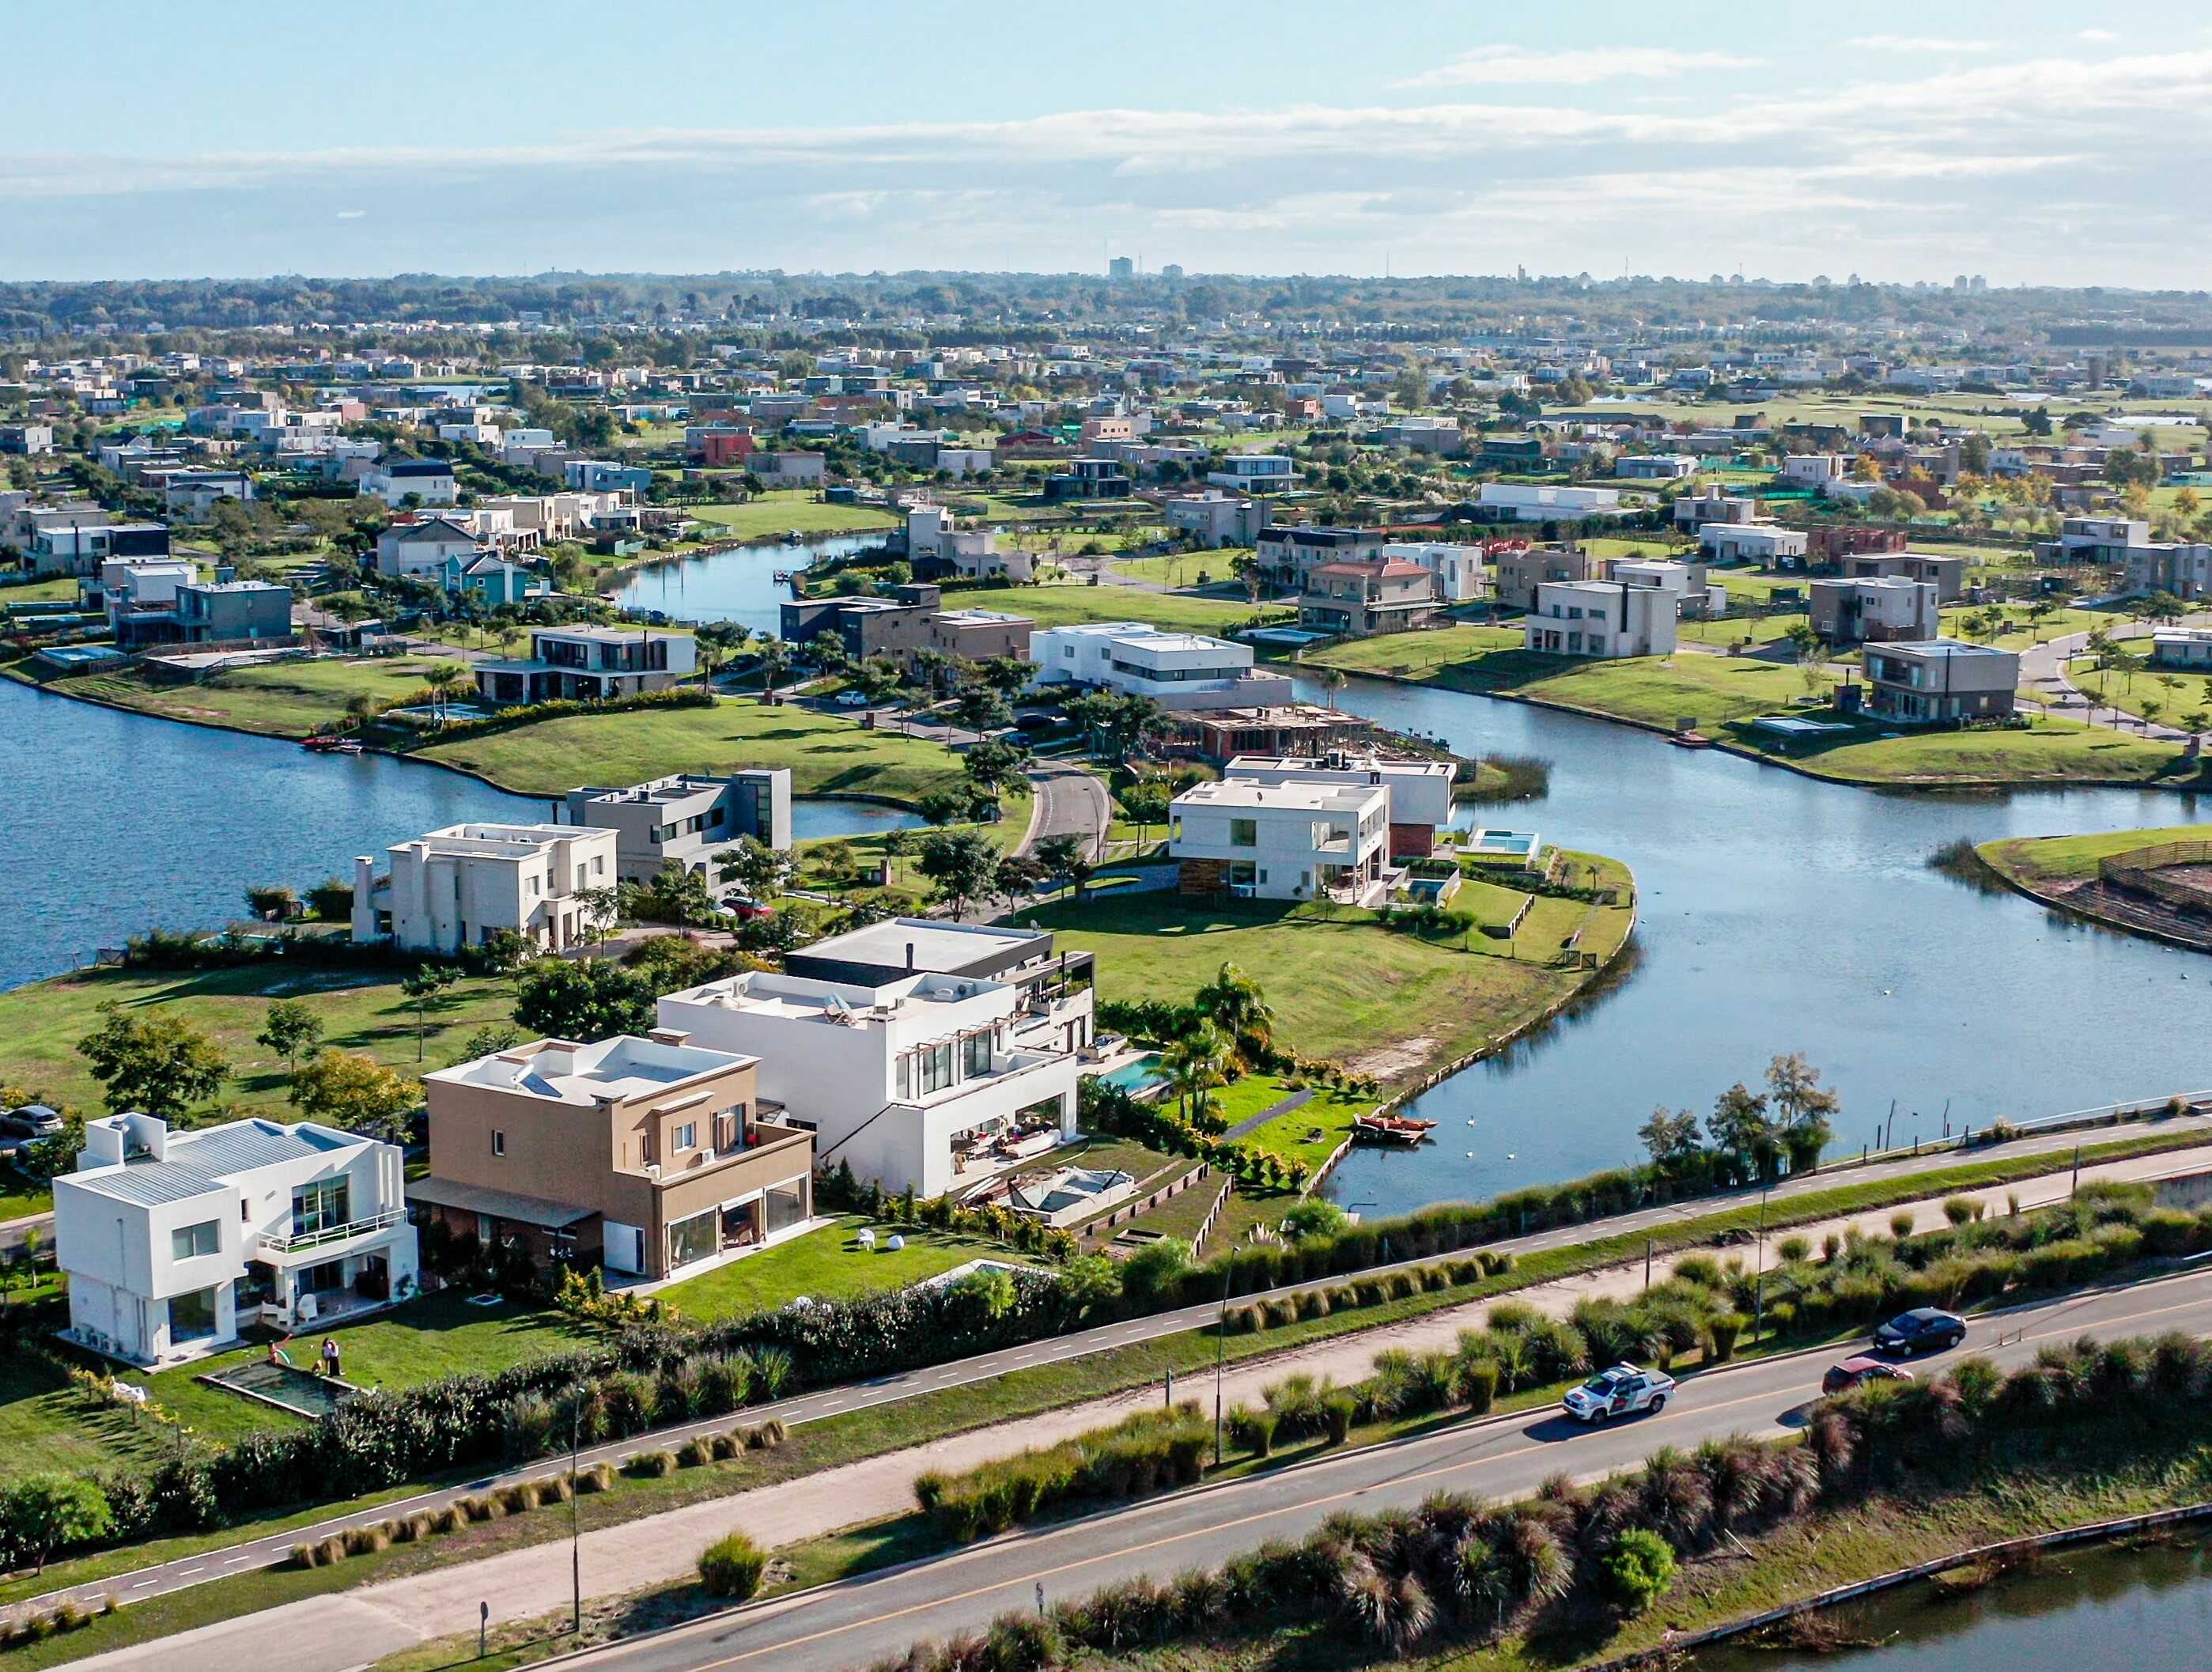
{"points": [[1921, 786]]}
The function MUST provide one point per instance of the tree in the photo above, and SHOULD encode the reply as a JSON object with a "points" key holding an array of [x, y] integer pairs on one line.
{"points": [[1145, 802], [422, 988], [446, 678], [277, 901], [291, 1030], [960, 866], [898, 844], [1672, 1141], [160, 1063], [981, 709], [1194, 1065], [1331, 680], [1637, 1570], [1742, 1128], [495, 1036], [759, 869], [775, 662], [50, 1512], [584, 1002], [599, 910], [1068, 856], [1233, 1003], [1009, 676], [1807, 1108], [359, 1093]]}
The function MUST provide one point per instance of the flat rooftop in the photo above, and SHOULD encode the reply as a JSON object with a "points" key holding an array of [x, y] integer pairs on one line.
{"points": [[621, 1068], [1949, 647], [1303, 796], [1344, 763], [925, 944]]}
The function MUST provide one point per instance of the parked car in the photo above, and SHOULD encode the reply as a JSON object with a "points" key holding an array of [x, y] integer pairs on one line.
{"points": [[1923, 1330], [1853, 1372], [1622, 1392], [33, 1120], [852, 699]]}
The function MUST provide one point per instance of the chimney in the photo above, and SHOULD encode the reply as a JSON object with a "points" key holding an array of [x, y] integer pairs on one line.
{"points": [[667, 1035], [909, 958]]}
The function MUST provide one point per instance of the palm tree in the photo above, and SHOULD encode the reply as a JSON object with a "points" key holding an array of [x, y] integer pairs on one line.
{"points": [[444, 679], [1233, 1003], [1332, 680], [1194, 1067]]}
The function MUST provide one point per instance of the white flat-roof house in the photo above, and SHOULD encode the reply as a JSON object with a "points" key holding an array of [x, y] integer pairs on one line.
{"points": [[426, 481], [1176, 670], [1280, 842], [590, 665], [1461, 576], [1941, 682], [1602, 618], [2182, 646], [1813, 470], [1540, 501], [174, 1240], [687, 817], [924, 1079], [1420, 792], [459, 887], [1751, 541], [1254, 473]]}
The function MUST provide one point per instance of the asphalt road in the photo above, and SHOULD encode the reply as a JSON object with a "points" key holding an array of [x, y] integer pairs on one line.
{"points": [[139, 1584], [1071, 802], [860, 1621]]}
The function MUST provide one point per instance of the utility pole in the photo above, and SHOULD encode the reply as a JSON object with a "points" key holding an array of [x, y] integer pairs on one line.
{"points": [[2074, 1189], [1649, 1244]]}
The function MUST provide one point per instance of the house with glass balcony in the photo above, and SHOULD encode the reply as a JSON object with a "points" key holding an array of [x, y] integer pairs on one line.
{"points": [[175, 1241], [1297, 839]]}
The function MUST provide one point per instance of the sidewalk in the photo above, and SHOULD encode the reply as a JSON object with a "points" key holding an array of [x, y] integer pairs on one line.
{"points": [[333, 1633]]}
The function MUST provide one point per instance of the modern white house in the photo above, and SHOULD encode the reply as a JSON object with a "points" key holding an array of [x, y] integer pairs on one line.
{"points": [[1602, 618], [1751, 541], [925, 1080], [1291, 840], [589, 664], [426, 481], [1461, 576], [1420, 792], [1813, 470], [1176, 670], [1540, 501], [459, 887], [687, 817], [1254, 473], [174, 1241], [2182, 646]]}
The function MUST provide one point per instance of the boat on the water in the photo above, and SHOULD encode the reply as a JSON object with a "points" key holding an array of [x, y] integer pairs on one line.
{"points": [[1389, 1129], [1690, 740], [328, 745]]}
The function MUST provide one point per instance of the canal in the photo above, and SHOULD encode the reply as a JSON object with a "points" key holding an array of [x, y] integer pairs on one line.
{"points": [[2115, 1609], [737, 585], [1782, 913], [121, 821]]}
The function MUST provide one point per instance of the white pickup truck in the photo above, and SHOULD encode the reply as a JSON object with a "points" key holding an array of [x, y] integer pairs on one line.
{"points": [[1622, 1392]]}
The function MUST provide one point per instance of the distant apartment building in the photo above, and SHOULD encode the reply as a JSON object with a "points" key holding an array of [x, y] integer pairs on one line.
{"points": [[1942, 682], [1091, 479], [426, 481], [648, 1156], [686, 818], [1361, 599], [175, 1242], [460, 886], [1876, 610], [1291, 840], [590, 665], [1176, 670], [1602, 618], [912, 619]]}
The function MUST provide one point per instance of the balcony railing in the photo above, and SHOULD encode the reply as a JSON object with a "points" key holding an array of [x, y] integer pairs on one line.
{"points": [[300, 1241]]}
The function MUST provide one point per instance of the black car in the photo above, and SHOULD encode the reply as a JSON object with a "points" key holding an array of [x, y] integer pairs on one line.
{"points": [[1923, 1330]]}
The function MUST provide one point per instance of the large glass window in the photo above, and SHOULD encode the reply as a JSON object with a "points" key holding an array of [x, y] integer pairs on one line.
{"points": [[1243, 833], [187, 1241], [784, 1204], [692, 1239], [978, 1049], [323, 1206], [192, 1316]]}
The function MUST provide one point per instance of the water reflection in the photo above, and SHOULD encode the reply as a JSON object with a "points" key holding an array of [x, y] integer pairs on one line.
{"points": [[739, 585]]}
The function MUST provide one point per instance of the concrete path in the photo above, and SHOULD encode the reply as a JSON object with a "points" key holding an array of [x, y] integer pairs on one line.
{"points": [[1296, 1100], [318, 1634]]}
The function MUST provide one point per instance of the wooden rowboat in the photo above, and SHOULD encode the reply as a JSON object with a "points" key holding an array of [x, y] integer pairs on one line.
{"points": [[1389, 1129]]}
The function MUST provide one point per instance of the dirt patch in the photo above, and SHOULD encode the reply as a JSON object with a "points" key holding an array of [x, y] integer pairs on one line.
{"points": [[1395, 1060]]}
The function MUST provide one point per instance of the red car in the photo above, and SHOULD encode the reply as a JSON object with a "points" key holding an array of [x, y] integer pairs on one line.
{"points": [[1841, 1378]]}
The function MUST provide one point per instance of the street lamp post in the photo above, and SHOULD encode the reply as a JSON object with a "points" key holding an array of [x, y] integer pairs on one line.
{"points": [[575, 1515]]}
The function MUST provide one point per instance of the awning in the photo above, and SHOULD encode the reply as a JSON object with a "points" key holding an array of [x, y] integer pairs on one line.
{"points": [[498, 1204]]}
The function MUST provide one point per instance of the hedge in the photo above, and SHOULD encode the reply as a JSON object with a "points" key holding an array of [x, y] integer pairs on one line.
{"points": [[1146, 1452]]}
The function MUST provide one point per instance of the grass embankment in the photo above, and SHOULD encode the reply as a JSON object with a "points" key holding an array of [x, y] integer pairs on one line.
{"points": [[779, 510], [283, 699], [1720, 694], [858, 1435], [1058, 603], [827, 755], [2052, 864], [1341, 985]]}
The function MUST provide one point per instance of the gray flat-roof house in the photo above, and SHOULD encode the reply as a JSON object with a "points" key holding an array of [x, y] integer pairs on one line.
{"points": [[1942, 682], [687, 817], [589, 664]]}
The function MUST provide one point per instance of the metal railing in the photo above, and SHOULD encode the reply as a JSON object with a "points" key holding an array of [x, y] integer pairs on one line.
{"points": [[335, 1233]]}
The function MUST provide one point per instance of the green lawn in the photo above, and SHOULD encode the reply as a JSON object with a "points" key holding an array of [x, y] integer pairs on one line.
{"points": [[1741, 629], [1181, 569], [1340, 985], [360, 1010], [60, 589], [1057, 603], [827, 755], [2023, 628], [791, 507], [1422, 656], [2050, 751], [828, 1264], [288, 699], [20, 1199], [2035, 861]]}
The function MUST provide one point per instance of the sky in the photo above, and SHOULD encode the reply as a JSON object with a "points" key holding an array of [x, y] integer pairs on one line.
{"points": [[2029, 141]]}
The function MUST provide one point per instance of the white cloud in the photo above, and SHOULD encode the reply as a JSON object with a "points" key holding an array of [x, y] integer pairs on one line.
{"points": [[2099, 35], [351, 214], [1516, 66], [1916, 43]]}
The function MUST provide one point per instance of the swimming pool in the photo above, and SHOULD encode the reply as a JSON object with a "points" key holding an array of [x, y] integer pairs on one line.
{"points": [[1502, 844], [288, 1387], [1137, 1074]]}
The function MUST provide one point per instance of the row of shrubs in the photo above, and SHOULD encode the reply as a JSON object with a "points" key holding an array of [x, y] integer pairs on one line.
{"points": [[1285, 1309], [67, 1615], [1581, 1558], [679, 696], [520, 1498], [1145, 1452]]}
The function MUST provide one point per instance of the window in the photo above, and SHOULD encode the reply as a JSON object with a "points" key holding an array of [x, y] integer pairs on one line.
{"points": [[192, 1316], [499, 1143], [1243, 833], [322, 1205], [694, 1238], [686, 1137], [977, 1058], [187, 1241], [784, 1204]]}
